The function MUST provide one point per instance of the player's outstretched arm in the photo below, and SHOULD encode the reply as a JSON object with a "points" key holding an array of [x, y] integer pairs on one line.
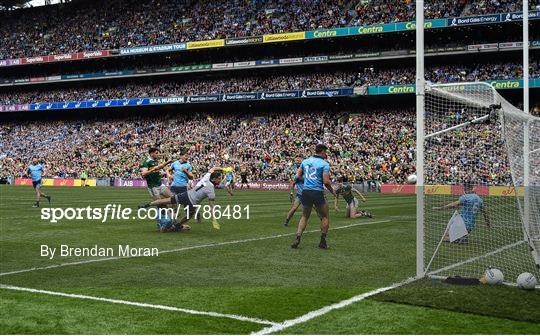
{"points": [[328, 184], [145, 171], [447, 206], [163, 165], [359, 194]]}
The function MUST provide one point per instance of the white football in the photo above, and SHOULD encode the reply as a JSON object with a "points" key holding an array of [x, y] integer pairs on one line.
{"points": [[411, 179], [493, 276], [526, 281]]}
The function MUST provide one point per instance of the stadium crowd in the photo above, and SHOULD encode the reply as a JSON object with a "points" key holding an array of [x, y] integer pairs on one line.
{"points": [[98, 25], [159, 64], [368, 146], [307, 80]]}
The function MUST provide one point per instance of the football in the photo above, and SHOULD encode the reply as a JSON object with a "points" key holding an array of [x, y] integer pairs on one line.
{"points": [[492, 276], [411, 179], [526, 281]]}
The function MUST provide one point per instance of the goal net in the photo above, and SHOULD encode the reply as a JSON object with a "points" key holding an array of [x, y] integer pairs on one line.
{"points": [[480, 153]]}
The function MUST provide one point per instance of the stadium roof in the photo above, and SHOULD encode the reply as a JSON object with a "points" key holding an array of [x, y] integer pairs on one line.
{"points": [[12, 4]]}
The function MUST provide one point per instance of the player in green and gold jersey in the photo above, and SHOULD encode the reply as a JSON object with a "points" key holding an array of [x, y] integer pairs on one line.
{"points": [[346, 190], [151, 172]]}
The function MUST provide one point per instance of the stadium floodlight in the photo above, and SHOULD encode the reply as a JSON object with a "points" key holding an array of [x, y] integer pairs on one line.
{"points": [[469, 138]]}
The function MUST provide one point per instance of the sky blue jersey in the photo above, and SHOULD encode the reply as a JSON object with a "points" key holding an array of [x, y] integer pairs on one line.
{"points": [[313, 169], [36, 171], [471, 204], [180, 179]]}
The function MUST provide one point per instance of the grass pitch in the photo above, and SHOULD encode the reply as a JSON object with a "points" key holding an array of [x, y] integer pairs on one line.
{"points": [[246, 269]]}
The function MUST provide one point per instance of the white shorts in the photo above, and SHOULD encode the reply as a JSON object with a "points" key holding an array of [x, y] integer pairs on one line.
{"points": [[159, 192]]}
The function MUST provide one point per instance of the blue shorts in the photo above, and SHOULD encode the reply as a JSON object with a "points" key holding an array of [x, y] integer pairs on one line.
{"points": [[178, 189], [184, 200], [36, 184], [312, 198]]}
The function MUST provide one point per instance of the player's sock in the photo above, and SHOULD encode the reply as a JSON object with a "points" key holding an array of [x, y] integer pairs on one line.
{"points": [[286, 222], [296, 241], [36, 205], [48, 198], [323, 244]]}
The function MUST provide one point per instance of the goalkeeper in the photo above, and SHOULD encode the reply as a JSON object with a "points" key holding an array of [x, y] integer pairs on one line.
{"points": [[205, 188], [469, 204]]}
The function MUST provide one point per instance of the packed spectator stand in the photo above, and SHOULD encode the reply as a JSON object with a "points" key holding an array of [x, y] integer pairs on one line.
{"points": [[369, 145], [100, 25], [233, 84]]}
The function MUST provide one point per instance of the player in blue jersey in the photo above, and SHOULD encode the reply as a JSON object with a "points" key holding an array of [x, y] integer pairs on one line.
{"points": [[315, 173], [296, 200], [229, 179], [469, 204], [180, 173], [36, 170]]}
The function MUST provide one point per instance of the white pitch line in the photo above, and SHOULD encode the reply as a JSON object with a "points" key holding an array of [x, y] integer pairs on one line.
{"points": [[82, 262], [324, 310], [140, 304]]}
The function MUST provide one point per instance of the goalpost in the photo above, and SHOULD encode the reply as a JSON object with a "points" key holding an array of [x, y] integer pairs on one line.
{"points": [[471, 140]]}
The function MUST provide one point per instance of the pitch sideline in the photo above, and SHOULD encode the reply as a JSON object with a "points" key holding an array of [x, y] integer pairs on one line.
{"points": [[140, 304]]}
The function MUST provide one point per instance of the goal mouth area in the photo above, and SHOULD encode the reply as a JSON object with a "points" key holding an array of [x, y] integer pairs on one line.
{"points": [[472, 138], [504, 283]]}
